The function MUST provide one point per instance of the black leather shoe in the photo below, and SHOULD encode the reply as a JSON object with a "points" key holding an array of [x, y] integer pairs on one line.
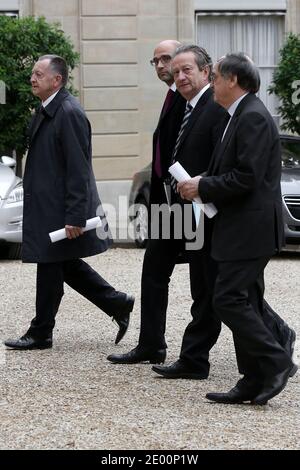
{"points": [[289, 346], [293, 370], [137, 355], [235, 396], [272, 387], [179, 370], [28, 342], [122, 319]]}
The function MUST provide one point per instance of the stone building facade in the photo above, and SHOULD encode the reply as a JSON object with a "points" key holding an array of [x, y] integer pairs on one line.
{"points": [[118, 87]]}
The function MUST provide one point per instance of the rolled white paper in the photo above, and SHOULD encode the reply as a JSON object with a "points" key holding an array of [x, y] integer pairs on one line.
{"points": [[61, 233], [180, 174]]}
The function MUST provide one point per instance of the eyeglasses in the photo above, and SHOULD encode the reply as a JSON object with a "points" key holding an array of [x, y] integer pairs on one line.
{"points": [[164, 59]]}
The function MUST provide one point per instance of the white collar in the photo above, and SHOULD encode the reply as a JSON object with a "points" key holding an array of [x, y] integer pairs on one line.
{"points": [[232, 108], [196, 98], [48, 100], [173, 87]]}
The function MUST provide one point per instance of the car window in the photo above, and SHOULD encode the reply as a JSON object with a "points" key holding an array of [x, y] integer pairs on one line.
{"points": [[290, 154]]}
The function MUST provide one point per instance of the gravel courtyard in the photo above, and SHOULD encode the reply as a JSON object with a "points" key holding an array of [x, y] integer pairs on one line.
{"points": [[71, 397]]}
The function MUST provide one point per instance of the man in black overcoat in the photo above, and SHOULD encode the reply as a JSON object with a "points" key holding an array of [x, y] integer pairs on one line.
{"points": [[60, 191]]}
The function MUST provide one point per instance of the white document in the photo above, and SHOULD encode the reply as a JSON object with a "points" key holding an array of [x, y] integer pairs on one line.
{"points": [[179, 173], [61, 233]]}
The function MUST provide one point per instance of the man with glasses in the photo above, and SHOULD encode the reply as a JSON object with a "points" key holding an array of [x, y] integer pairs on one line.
{"points": [[187, 132], [153, 315]]}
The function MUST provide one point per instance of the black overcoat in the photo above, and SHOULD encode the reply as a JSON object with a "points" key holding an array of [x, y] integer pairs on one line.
{"points": [[59, 184]]}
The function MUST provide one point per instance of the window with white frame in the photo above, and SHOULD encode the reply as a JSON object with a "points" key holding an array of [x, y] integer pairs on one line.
{"points": [[12, 14], [258, 33]]}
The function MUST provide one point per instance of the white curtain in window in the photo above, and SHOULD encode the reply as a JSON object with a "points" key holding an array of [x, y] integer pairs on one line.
{"points": [[260, 36]]}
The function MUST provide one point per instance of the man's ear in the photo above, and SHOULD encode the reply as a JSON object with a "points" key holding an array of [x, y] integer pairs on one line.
{"points": [[58, 80], [206, 70], [232, 81]]}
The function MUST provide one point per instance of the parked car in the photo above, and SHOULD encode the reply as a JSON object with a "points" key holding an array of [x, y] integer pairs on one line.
{"points": [[290, 187], [11, 209]]}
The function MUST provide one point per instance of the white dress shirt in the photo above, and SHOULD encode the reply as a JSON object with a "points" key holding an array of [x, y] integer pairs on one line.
{"points": [[48, 100], [196, 98]]}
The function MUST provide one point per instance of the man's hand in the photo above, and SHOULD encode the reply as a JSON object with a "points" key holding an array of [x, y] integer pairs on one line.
{"points": [[189, 189], [73, 232]]}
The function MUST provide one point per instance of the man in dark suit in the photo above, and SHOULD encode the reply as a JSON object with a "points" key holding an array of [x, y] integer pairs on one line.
{"points": [[189, 140], [243, 181], [60, 191]]}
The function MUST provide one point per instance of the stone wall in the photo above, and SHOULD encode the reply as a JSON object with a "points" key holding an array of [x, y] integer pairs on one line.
{"points": [[118, 87]]}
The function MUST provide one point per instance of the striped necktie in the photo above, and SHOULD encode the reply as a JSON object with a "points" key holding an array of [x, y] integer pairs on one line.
{"points": [[186, 116]]}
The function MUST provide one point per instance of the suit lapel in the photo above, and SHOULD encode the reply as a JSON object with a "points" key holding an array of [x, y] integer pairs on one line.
{"points": [[36, 122], [221, 146]]}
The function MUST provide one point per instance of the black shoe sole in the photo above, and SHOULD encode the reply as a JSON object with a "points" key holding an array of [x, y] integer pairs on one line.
{"points": [[30, 348], [142, 361], [159, 359], [293, 341], [294, 370], [238, 402], [180, 376]]}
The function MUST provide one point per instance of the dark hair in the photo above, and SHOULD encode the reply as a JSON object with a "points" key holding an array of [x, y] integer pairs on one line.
{"points": [[201, 56], [58, 65], [241, 66]]}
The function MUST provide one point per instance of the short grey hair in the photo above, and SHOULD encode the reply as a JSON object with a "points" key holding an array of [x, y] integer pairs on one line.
{"points": [[202, 57], [58, 65], [243, 68]]}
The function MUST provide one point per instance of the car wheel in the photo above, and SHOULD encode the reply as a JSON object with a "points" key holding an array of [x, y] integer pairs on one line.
{"points": [[141, 223]]}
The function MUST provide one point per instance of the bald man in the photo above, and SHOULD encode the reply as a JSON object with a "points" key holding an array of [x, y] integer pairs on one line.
{"points": [[154, 298], [193, 138]]}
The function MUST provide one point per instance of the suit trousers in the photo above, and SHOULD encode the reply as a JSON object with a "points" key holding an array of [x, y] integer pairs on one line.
{"points": [[258, 352], [82, 278], [272, 320], [203, 331]]}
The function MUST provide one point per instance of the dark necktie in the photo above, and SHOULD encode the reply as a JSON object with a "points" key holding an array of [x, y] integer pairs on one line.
{"points": [[225, 125], [216, 153], [167, 102], [186, 116], [165, 108]]}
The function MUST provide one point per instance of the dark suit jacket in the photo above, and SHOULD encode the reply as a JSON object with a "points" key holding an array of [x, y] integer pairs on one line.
{"points": [[201, 135], [59, 184], [167, 130], [198, 142], [243, 181]]}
